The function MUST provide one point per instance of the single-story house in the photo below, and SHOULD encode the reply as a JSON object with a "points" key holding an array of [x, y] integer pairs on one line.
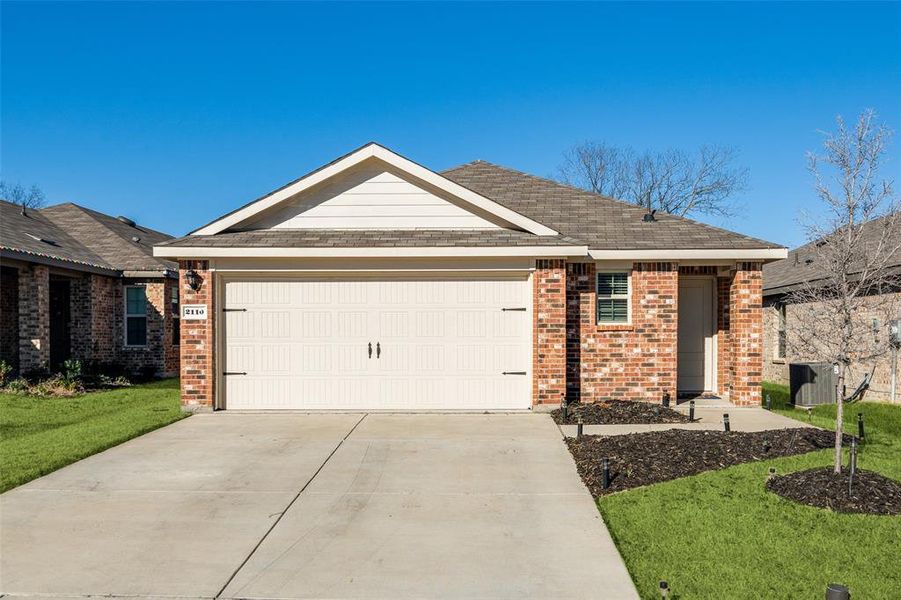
{"points": [[76, 283], [783, 315], [376, 283]]}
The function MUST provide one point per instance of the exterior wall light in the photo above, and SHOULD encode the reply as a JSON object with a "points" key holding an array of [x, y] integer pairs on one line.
{"points": [[193, 279]]}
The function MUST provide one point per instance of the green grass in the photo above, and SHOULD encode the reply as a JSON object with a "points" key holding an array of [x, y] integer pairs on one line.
{"points": [[722, 535], [40, 435]]}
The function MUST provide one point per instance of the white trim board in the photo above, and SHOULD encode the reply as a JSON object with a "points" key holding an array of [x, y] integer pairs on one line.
{"points": [[663, 254], [368, 152], [438, 251]]}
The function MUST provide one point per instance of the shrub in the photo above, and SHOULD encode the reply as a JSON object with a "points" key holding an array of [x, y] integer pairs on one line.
{"points": [[73, 370], [6, 370], [56, 386]]}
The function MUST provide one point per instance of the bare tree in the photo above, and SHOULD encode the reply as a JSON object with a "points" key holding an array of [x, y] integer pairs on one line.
{"points": [[855, 244], [16, 193], [672, 181]]}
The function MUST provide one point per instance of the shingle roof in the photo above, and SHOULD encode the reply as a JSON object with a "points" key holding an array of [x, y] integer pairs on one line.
{"points": [[782, 276], [354, 238], [600, 222], [74, 234]]}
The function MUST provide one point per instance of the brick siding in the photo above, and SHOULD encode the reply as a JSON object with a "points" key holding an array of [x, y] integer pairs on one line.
{"points": [[197, 342], [746, 333], [635, 361], [34, 318], [549, 332]]}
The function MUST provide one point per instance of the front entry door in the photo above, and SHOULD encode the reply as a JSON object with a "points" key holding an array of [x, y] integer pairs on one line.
{"points": [[695, 343], [60, 320]]}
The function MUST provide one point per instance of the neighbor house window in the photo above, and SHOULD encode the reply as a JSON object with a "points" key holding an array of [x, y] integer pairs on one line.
{"points": [[135, 315], [613, 297], [176, 316], [780, 332]]}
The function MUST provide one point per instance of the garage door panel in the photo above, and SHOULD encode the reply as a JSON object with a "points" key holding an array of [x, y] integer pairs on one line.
{"points": [[444, 344]]}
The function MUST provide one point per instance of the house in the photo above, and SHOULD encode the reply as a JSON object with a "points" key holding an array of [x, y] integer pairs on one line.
{"points": [[376, 283], [77, 283], [781, 314]]}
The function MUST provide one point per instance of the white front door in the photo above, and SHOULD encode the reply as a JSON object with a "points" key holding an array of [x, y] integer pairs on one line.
{"points": [[370, 344], [696, 366]]}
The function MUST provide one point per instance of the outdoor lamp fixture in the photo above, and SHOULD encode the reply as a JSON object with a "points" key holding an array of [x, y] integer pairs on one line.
{"points": [[664, 590], [193, 279]]}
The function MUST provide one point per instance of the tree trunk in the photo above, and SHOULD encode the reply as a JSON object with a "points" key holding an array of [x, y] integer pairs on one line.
{"points": [[839, 417]]}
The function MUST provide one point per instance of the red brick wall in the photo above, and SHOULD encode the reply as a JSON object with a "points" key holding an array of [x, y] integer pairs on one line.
{"points": [[746, 333], [34, 318], [106, 301], [549, 332], [197, 341], [635, 361], [723, 340]]}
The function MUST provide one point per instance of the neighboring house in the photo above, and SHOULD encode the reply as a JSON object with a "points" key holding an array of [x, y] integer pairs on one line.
{"points": [[80, 284], [781, 316], [375, 283]]}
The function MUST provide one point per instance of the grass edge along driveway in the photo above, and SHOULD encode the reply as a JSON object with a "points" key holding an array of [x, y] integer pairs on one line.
{"points": [[41, 435], [720, 534]]}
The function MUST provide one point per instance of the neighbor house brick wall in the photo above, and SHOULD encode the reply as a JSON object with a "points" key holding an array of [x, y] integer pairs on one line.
{"points": [[197, 340], [9, 316], [776, 370], [635, 361], [81, 312], [171, 339], [746, 333], [106, 316], [34, 318], [149, 359], [549, 328]]}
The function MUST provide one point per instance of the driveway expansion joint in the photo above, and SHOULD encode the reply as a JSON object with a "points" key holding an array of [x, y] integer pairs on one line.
{"points": [[288, 507]]}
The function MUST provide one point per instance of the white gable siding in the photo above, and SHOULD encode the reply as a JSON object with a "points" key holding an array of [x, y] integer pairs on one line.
{"points": [[373, 199]]}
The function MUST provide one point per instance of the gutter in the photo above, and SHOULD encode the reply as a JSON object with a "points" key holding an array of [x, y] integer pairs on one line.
{"points": [[190, 252]]}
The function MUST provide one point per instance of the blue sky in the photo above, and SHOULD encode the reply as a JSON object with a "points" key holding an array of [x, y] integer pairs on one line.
{"points": [[175, 113]]}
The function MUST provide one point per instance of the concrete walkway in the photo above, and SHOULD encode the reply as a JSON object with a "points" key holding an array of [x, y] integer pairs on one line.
{"points": [[312, 506], [706, 418]]}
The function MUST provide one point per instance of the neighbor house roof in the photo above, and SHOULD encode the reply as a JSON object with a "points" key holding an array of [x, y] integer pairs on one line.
{"points": [[80, 237], [783, 276]]}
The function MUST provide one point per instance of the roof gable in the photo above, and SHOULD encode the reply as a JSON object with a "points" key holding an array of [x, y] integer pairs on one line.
{"points": [[375, 156], [374, 196]]}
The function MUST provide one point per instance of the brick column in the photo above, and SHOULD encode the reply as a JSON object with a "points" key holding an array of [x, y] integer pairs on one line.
{"points": [[723, 350], [107, 313], [198, 373], [549, 332], [34, 318], [746, 333], [82, 310]]}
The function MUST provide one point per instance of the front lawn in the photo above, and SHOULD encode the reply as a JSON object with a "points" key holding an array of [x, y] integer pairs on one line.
{"points": [[720, 534], [40, 435]]}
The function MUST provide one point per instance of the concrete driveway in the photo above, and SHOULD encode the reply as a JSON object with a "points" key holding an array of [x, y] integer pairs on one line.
{"points": [[314, 506]]}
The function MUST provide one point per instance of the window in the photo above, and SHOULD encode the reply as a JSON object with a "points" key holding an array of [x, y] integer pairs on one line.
{"points": [[613, 297], [135, 315], [176, 316], [780, 331]]}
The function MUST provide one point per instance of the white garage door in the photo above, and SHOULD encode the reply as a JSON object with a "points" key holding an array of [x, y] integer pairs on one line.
{"points": [[370, 345]]}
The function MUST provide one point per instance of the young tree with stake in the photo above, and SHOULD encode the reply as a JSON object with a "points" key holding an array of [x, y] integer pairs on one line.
{"points": [[842, 310]]}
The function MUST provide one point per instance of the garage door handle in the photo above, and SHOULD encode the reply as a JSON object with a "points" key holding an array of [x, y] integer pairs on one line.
{"points": [[513, 373], [370, 349], [235, 373], [378, 349], [514, 309]]}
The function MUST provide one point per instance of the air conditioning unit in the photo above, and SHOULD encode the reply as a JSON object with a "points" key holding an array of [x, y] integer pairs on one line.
{"points": [[811, 383]]}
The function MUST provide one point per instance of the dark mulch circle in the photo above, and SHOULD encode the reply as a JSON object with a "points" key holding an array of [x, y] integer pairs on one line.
{"points": [[639, 459], [618, 412], [871, 493]]}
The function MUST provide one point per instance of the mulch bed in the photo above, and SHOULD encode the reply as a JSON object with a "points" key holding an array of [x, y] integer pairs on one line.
{"points": [[618, 412], [639, 459], [871, 493]]}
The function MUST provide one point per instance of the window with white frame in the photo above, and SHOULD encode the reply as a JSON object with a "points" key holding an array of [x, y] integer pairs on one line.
{"points": [[135, 315], [613, 297], [780, 332]]}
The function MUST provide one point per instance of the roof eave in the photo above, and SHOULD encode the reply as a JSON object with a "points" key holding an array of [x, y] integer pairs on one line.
{"points": [[189, 252], [666, 254]]}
